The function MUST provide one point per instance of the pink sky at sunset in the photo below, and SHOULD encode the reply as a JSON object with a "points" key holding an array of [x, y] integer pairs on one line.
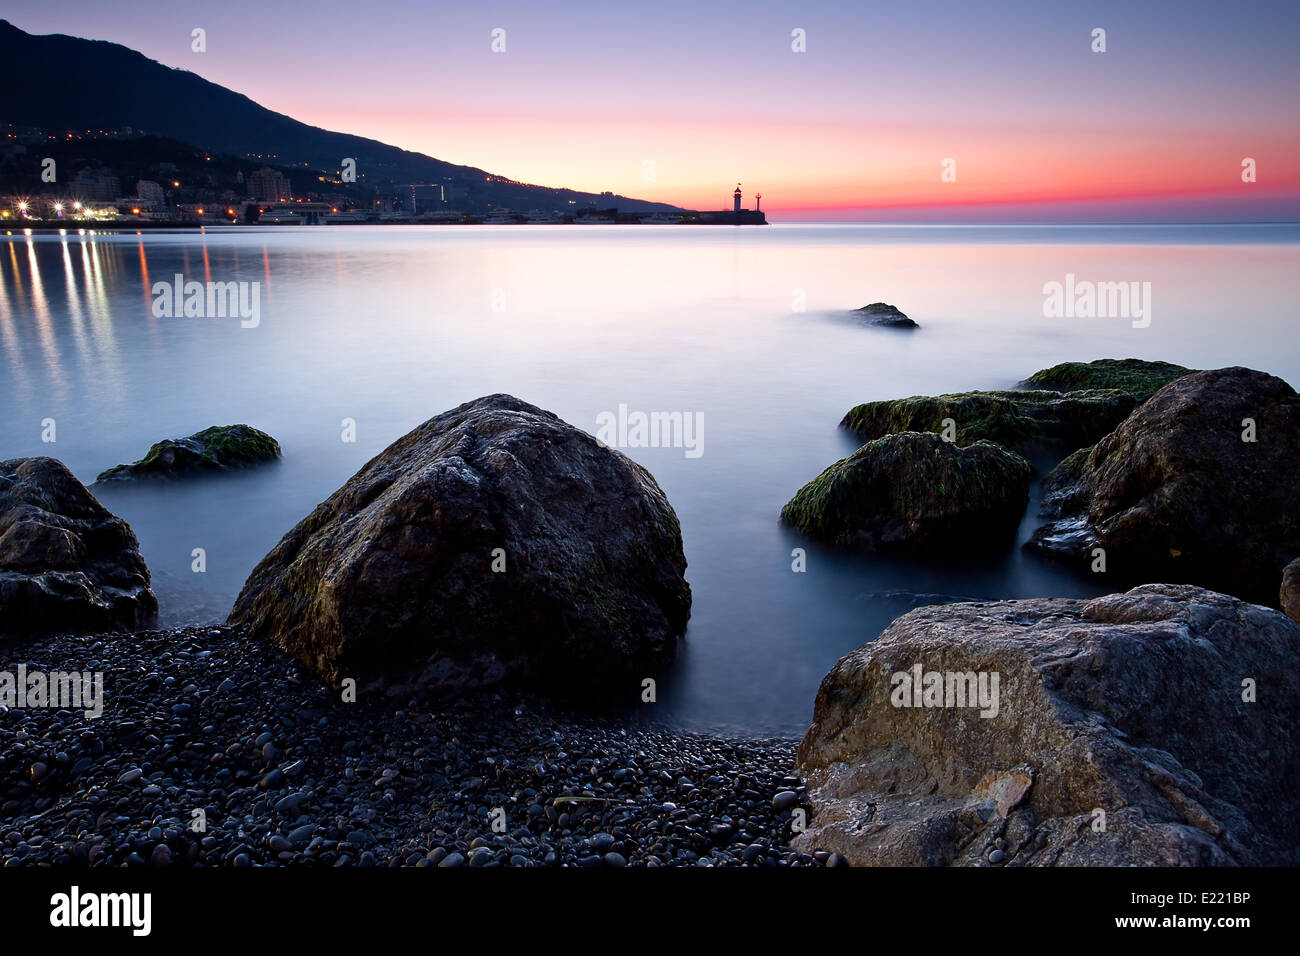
{"points": [[861, 121]]}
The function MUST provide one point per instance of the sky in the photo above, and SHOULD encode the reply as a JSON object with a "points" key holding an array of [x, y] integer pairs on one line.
{"points": [[678, 101]]}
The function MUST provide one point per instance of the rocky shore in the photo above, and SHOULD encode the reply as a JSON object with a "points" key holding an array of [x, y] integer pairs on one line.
{"points": [[415, 674], [284, 773]]}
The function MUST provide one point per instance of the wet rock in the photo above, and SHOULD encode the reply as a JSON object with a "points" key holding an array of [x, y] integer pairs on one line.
{"points": [[917, 494], [1138, 377], [882, 315], [214, 449], [1119, 734], [1175, 493], [1022, 421], [391, 581], [66, 562]]}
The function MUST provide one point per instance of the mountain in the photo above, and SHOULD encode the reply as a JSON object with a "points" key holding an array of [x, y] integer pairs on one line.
{"points": [[57, 82]]}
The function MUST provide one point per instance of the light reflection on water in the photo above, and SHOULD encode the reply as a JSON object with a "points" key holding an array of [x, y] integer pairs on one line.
{"points": [[389, 326]]}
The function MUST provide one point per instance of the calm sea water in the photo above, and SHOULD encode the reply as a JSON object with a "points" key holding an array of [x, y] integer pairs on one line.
{"points": [[389, 326]]}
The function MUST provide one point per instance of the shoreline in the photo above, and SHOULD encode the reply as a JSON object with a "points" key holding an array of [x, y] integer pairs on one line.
{"points": [[297, 777]]}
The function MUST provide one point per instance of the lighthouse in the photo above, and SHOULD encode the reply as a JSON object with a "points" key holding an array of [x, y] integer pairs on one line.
{"points": [[736, 199]]}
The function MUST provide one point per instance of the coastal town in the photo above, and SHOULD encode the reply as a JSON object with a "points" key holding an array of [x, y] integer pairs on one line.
{"points": [[121, 177]]}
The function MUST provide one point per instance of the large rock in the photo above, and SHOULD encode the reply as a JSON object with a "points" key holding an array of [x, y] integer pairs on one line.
{"points": [[66, 563], [1020, 420], [916, 494], [1133, 705], [218, 448], [390, 581], [1139, 377], [1176, 494]]}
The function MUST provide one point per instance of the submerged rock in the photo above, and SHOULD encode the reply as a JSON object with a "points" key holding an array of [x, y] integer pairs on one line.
{"points": [[1020, 420], [219, 448], [1138, 377], [1179, 492], [918, 494], [884, 316], [66, 562], [1118, 732], [493, 543]]}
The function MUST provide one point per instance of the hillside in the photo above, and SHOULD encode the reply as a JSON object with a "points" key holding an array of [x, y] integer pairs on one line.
{"points": [[57, 82]]}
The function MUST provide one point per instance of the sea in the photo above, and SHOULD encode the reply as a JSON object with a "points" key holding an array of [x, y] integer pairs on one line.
{"points": [[350, 336]]}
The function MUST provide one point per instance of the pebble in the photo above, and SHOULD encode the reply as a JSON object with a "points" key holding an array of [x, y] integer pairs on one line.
{"points": [[785, 800], [384, 783]]}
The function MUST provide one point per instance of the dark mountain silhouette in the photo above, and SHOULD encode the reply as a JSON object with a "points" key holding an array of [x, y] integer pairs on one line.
{"points": [[57, 82]]}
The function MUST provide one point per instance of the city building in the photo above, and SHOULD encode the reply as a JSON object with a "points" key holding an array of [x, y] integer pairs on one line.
{"points": [[96, 184], [149, 191], [269, 185]]}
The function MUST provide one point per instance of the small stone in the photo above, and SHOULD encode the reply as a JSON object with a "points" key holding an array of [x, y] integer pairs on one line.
{"points": [[785, 800]]}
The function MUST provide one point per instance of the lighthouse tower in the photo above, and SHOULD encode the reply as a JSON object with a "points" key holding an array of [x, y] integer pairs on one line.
{"points": [[736, 199]]}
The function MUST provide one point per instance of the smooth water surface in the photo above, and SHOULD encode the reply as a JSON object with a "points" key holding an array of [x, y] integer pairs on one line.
{"points": [[391, 325]]}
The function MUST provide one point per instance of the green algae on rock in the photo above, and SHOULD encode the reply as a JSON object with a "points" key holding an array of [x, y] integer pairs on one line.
{"points": [[1139, 377], [914, 493], [1185, 491], [1020, 420], [219, 448]]}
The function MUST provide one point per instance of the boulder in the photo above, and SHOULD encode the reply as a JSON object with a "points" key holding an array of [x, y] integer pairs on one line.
{"points": [[494, 543], [882, 315], [916, 494], [1118, 731], [1289, 595], [1176, 494], [66, 563], [1020, 420], [1061, 490], [219, 448], [1138, 377]]}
